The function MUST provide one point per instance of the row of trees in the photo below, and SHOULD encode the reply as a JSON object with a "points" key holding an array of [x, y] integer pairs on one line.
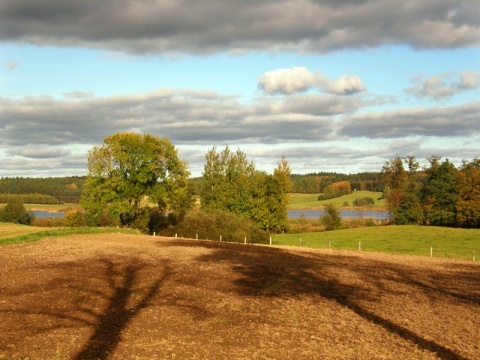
{"points": [[62, 189], [439, 194], [231, 183], [135, 178], [316, 183]]}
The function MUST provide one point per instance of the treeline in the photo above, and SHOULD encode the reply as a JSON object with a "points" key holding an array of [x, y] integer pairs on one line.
{"points": [[317, 182], [29, 198], [63, 189], [439, 194]]}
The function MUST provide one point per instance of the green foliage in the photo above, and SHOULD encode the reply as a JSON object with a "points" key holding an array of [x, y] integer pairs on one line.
{"points": [[75, 218], [316, 183], [43, 190], [402, 191], [29, 198], [331, 218], [128, 174], [211, 224], [15, 212], [231, 184], [364, 201], [440, 192]]}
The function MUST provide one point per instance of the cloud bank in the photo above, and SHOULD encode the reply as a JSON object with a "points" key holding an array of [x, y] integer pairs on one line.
{"points": [[444, 86], [200, 27]]}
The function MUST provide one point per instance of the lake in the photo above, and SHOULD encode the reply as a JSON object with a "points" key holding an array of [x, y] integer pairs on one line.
{"points": [[48, 214], [315, 214], [292, 214]]}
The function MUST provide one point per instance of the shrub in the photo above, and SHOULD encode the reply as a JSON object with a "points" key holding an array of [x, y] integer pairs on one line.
{"points": [[331, 218], [74, 218], [366, 201], [15, 212], [209, 224]]}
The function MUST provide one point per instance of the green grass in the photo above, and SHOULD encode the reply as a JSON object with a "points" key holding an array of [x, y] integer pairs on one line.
{"points": [[310, 201], [407, 239], [16, 234]]}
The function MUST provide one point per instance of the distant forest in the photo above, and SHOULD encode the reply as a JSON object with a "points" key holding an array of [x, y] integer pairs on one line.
{"points": [[43, 190], [69, 189], [315, 183]]}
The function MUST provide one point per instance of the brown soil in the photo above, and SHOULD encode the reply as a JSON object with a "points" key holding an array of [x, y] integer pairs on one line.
{"points": [[139, 297]]}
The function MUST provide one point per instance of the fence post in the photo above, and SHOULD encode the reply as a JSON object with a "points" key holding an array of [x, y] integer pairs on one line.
{"points": [[431, 251], [270, 240], [245, 240], [196, 236]]}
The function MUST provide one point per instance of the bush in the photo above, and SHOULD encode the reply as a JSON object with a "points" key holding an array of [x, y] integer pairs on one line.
{"points": [[15, 212], [74, 218], [366, 201], [331, 218], [209, 225]]}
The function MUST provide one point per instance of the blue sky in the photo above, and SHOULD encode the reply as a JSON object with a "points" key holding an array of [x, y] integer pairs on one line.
{"points": [[335, 86]]}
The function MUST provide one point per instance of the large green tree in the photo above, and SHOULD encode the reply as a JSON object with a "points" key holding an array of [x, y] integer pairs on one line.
{"points": [[440, 192], [468, 200], [231, 183], [402, 190], [130, 173]]}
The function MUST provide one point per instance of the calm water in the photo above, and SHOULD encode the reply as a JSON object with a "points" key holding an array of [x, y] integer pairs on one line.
{"points": [[315, 214], [47, 214], [292, 214]]}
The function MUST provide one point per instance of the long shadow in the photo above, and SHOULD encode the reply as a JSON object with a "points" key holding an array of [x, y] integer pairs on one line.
{"points": [[118, 313], [261, 266], [105, 302]]}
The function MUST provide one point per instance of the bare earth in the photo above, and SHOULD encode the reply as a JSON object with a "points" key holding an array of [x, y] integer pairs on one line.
{"points": [[139, 297]]}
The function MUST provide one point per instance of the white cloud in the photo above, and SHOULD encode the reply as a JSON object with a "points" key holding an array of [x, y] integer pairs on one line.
{"points": [[439, 87], [300, 79], [287, 81]]}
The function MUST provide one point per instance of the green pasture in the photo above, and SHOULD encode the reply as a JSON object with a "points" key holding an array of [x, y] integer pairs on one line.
{"points": [[405, 239], [16, 234], [310, 201]]}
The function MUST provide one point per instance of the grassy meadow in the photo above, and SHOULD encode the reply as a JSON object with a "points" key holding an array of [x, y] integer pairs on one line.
{"points": [[16, 234], [405, 239], [310, 201]]}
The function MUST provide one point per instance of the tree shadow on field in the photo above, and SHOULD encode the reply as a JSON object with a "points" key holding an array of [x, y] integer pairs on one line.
{"points": [[94, 293], [272, 272]]}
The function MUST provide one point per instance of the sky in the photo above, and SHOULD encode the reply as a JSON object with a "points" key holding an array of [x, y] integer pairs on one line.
{"points": [[334, 85]]}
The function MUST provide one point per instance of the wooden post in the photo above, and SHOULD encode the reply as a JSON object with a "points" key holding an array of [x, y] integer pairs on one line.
{"points": [[474, 256], [245, 240], [196, 236], [300, 241], [329, 244], [154, 233], [431, 251], [270, 240], [220, 237], [175, 235], [359, 246]]}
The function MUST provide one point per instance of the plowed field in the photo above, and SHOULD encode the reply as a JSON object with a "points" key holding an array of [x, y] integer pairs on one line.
{"points": [[139, 297]]}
